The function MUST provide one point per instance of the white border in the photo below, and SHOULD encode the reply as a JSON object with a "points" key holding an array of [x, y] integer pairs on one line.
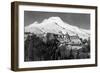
{"points": [[23, 64]]}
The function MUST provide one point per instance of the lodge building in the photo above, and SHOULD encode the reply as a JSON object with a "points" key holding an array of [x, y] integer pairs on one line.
{"points": [[63, 38]]}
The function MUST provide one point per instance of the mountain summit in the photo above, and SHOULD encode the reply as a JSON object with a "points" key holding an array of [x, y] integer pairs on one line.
{"points": [[56, 25]]}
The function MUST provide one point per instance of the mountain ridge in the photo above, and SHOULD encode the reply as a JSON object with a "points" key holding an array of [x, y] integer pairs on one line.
{"points": [[56, 25]]}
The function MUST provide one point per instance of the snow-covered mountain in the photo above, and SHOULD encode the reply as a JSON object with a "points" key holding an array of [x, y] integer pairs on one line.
{"points": [[56, 25]]}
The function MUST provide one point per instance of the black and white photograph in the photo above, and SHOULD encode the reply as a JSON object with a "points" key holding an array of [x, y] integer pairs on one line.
{"points": [[56, 36], [53, 36]]}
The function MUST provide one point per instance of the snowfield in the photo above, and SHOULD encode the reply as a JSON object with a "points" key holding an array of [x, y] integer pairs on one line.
{"points": [[56, 25]]}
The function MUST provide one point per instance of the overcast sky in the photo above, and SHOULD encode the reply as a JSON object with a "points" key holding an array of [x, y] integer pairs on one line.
{"points": [[76, 19]]}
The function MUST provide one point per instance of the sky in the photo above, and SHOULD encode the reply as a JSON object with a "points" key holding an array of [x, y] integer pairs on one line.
{"points": [[76, 19]]}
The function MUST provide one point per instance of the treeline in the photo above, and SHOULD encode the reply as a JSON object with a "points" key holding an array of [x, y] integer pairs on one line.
{"points": [[38, 50]]}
